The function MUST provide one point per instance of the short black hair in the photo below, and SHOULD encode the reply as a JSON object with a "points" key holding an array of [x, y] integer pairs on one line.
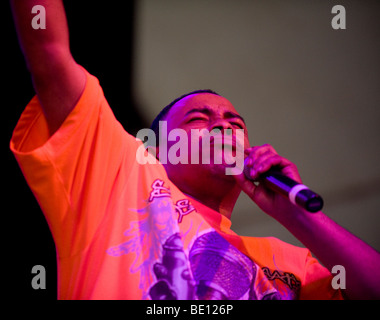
{"points": [[161, 116]]}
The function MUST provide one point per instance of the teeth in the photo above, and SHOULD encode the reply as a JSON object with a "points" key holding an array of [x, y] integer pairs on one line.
{"points": [[228, 142], [219, 142]]}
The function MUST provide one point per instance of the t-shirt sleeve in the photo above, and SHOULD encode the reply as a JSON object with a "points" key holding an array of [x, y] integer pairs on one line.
{"points": [[317, 282], [72, 172]]}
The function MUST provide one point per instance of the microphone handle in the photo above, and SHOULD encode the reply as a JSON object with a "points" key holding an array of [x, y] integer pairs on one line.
{"points": [[297, 193]]}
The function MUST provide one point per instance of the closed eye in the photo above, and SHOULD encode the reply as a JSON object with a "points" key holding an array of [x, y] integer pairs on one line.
{"points": [[237, 124], [197, 119]]}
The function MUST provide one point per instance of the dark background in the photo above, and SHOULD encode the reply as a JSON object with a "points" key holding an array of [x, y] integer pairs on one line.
{"points": [[26, 237]]}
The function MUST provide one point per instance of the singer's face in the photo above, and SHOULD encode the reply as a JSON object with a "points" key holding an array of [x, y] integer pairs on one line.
{"points": [[204, 111]]}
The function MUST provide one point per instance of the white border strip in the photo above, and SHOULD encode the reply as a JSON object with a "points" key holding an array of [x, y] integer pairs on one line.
{"points": [[293, 192]]}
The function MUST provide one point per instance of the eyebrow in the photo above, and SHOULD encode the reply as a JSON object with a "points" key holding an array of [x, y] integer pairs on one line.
{"points": [[207, 111]]}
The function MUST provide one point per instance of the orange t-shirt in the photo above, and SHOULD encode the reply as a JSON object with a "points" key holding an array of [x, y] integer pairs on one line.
{"points": [[124, 231]]}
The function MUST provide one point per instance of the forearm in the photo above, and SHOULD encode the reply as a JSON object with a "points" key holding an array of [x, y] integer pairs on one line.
{"points": [[37, 44], [334, 245], [56, 77]]}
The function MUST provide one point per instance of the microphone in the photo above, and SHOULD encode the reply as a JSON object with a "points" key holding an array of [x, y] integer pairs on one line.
{"points": [[297, 193]]}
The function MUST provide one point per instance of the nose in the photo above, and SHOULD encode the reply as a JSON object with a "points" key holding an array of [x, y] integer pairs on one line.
{"points": [[221, 124]]}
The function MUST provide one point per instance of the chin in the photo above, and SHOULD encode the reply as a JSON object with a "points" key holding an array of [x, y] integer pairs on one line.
{"points": [[219, 171]]}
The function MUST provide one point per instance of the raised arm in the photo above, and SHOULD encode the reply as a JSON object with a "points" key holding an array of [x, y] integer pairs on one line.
{"points": [[58, 80]]}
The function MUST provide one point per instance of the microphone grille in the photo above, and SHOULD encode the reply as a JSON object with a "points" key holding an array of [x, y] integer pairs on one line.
{"points": [[219, 267]]}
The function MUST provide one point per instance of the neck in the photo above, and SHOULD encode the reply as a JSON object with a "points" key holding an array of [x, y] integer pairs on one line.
{"points": [[209, 186], [217, 197]]}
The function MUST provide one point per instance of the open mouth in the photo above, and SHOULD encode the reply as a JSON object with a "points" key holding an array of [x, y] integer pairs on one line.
{"points": [[227, 142]]}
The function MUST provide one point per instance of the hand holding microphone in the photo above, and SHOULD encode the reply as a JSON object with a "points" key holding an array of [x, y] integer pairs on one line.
{"points": [[296, 192]]}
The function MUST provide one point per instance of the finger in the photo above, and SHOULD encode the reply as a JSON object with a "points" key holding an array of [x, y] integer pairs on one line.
{"points": [[261, 159], [263, 165], [281, 164], [266, 162], [258, 151], [253, 153]]}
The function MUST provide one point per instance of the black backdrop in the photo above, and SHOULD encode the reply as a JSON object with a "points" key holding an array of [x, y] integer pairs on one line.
{"points": [[101, 37]]}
